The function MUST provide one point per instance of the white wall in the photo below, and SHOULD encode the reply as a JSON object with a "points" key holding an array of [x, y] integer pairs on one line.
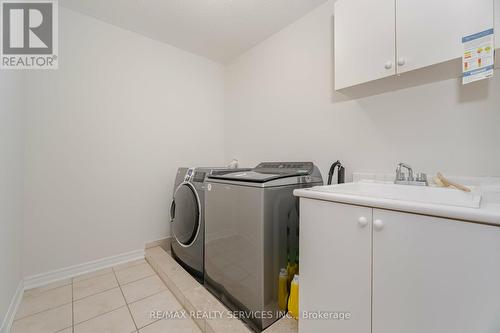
{"points": [[12, 95], [281, 105], [106, 132], [105, 135]]}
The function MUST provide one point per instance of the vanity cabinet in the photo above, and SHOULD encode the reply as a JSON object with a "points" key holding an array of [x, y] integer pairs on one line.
{"points": [[335, 265], [376, 39], [434, 275], [397, 272]]}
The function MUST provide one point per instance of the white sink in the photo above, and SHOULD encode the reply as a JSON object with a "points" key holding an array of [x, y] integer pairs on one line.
{"points": [[423, 194]]}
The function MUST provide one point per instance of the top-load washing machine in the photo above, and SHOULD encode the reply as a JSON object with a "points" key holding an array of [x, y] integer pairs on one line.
{"points": [[187, 218], [251, 231]]}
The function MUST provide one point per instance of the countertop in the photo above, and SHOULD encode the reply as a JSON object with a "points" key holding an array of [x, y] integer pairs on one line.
{"points": [[488, 212]]}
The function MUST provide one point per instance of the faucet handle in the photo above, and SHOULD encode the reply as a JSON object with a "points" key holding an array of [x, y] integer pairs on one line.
{"points": [[421, 177]]}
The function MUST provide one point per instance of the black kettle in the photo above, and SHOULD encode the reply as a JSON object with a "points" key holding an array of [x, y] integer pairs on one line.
{"points": [[340, 174]]}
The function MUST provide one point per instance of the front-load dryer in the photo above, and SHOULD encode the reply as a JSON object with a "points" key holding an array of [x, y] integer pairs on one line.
{"points": [[187, 218]]}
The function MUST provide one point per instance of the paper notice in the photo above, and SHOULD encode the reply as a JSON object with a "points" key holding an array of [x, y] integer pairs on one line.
{"points": [[479, 56]]}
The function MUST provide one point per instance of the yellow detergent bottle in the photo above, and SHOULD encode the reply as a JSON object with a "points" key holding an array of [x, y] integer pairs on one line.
{"points": [[293, 300], [283, 289]]}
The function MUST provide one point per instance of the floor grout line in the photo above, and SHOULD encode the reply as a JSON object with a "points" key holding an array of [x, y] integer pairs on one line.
{"points": [[99, 315], [181, 308], [128, 307], [64, 329], [121, 306], [37, 313], [142, 278], [142, 299], [100, 292], [149, 324], [118, 285]]}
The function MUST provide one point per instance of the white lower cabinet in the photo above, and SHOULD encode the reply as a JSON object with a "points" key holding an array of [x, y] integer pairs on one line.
{"points": [[434, 275], [397, 272], [335, 266]]}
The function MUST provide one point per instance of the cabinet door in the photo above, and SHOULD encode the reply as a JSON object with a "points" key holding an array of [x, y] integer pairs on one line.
{"points": [[335, 266], [364, 41], [434, 275], [430, 31]]}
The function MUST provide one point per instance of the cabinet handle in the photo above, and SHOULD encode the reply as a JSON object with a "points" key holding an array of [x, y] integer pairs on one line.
{"points": [[378, 225], [388, 65], [401, 61], [363, 221]]}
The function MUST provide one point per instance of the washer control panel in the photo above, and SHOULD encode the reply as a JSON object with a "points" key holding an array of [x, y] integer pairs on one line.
{"points": [[285, 167]]}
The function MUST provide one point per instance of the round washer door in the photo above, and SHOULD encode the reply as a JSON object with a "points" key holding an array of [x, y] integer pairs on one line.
{"points": [[186, 217]]}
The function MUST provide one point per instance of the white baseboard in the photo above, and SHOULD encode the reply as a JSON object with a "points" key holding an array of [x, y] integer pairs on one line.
{"points": [[11, 312], [72, 271]]}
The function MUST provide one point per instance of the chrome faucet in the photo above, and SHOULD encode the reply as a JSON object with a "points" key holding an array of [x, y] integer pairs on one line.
{"points": [[401, 178], [400, 175]]}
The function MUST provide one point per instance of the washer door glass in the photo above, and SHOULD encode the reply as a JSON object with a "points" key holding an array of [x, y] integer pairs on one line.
{"points": [[186, 218]]}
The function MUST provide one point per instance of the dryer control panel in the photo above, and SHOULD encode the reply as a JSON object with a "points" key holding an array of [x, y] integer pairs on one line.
{"points": [[194, 176], [189, 174]]}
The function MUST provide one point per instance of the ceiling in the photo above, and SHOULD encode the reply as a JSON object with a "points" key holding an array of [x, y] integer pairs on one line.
{"points": [[217, 29]]}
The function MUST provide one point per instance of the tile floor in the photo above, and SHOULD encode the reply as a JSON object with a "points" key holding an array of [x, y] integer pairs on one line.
{"points": [[120, 300], [113, 300]]}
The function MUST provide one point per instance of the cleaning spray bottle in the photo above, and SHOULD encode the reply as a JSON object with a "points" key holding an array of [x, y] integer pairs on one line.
{"points": [[293, 300], [283, 289]]}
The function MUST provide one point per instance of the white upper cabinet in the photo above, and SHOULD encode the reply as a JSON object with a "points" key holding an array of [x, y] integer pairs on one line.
{"points": [[376, 39], [430, 31], [364, 41], [497, 33], [497, 24]]}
